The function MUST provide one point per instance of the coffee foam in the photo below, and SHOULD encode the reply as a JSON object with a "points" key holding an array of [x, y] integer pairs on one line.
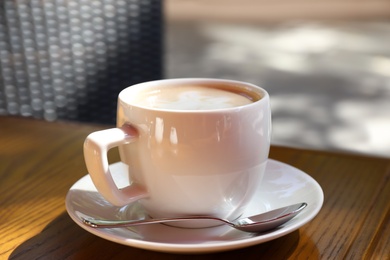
{"points": [[190, 97]]}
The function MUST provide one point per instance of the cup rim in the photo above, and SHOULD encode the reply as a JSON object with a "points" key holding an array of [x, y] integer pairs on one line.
{"points": [[246, 85]]}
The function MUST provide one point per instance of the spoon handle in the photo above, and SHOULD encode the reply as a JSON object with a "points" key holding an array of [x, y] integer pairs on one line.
{"points": [[97, 223]]}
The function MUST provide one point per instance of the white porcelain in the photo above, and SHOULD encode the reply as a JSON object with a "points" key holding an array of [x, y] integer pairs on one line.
{"points": [[282, 185], [184, 162]]}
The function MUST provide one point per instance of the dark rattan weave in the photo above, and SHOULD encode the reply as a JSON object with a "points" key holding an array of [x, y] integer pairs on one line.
{"points": [[69, 59]]}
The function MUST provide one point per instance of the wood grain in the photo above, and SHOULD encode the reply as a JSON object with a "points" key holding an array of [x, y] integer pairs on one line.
{"points": [[40, 161]]}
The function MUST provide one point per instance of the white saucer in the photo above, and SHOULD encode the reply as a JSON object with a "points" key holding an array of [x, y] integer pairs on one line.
{"points": [[282, 185]]}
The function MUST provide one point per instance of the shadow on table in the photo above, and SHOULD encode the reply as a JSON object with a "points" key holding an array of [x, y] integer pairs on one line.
{"points": [[63, 239]]}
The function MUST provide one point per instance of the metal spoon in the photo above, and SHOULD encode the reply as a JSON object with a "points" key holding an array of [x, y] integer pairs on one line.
{"points": [[257, 223]]}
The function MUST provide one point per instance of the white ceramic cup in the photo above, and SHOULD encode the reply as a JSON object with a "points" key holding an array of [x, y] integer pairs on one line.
{"points": [[185, 162]]}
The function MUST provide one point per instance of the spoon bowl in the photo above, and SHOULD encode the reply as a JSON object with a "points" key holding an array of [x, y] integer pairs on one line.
{"points": [[257, 223]]}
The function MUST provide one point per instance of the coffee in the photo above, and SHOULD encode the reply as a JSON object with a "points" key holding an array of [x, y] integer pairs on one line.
{"points": [[192, 97]]}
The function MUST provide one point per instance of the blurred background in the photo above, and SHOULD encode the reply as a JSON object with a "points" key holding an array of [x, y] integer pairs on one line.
{"points": [[326, 64]]}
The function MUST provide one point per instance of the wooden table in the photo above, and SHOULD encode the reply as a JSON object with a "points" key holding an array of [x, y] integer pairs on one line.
{"points": [[40, 161]]}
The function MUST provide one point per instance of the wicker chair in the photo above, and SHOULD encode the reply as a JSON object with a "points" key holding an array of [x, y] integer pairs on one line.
{"points": [[69, 59]]}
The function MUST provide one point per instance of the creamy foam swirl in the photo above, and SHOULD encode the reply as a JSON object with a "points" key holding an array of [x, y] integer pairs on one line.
{"points": [[190, 98]]}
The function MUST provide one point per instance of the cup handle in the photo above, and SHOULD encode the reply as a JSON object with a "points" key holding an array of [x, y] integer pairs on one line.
{"points": [[96, 146]]}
